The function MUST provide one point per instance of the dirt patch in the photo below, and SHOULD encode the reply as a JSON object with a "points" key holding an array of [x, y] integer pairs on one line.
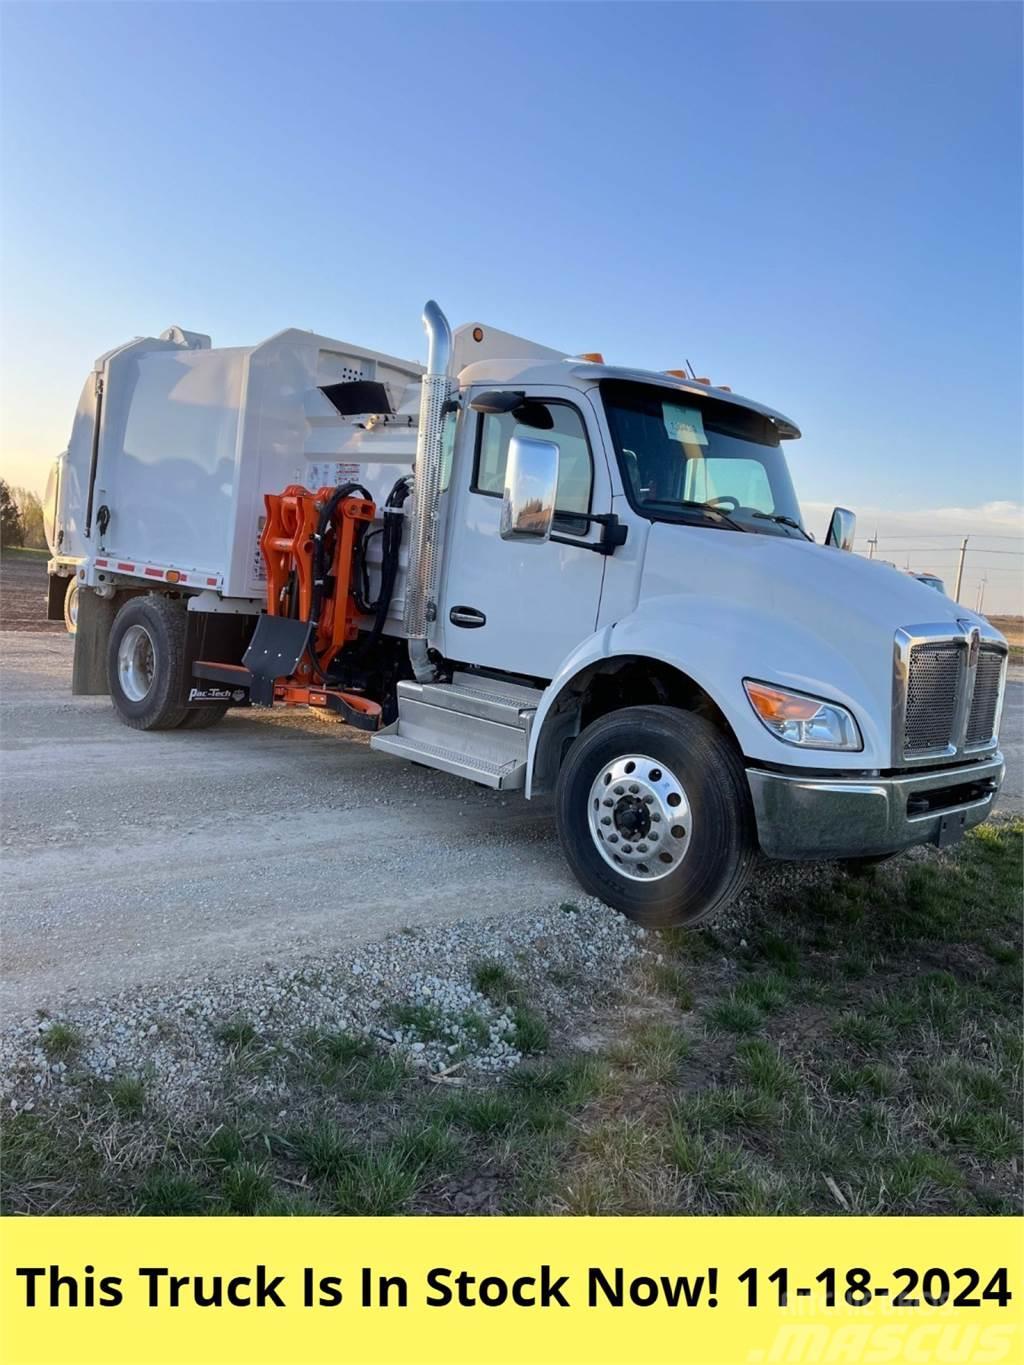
{"points": [[23, 592]]}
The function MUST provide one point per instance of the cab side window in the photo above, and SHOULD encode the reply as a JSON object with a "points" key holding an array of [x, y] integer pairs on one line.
{"points": [[575, 468]]}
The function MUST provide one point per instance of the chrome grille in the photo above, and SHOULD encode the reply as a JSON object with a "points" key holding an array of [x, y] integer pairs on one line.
{"points": [[981, 724], [934, 680]]}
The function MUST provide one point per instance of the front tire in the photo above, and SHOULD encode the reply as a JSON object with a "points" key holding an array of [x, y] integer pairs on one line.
{"points": [[146, 663], [654, 815]]}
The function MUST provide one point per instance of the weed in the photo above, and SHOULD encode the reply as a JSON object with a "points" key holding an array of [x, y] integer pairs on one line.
{"points": [[378, 1181], [872, 1078], [733, 1015], [494, 980], [531, 1030], [245, 1187], [169, 1194], [767, 993], [61, 1041], [764, 1068], [653, 1049], [237, 1032], [673, 981]]}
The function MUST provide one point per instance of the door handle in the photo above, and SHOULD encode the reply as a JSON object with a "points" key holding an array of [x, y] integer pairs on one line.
{"points": [[468, 617]]}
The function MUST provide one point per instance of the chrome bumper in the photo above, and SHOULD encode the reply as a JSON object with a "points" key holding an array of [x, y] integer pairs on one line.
{"points": [[804, 817]]}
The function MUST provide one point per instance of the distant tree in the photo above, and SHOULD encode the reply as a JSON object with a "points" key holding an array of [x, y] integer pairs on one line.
{"points": [[12, 532], [31, 509]]}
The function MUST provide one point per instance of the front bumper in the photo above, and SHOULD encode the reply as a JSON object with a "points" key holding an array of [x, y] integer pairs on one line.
{"points": [[804, 817]]}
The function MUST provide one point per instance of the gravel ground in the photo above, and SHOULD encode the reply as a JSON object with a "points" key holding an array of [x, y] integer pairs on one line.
{"points": [[176, 1036]]}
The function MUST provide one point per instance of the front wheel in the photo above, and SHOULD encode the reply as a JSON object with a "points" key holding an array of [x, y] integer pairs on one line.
{"points": [[654, 815]]}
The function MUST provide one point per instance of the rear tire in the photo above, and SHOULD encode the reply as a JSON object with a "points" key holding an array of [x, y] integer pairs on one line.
{"points": [[146, 663], [71, 607], [674, 840]]}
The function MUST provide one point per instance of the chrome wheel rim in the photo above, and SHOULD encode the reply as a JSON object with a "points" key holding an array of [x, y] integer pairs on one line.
{"points": [[73, 605], [640, 818], [135, 663]]}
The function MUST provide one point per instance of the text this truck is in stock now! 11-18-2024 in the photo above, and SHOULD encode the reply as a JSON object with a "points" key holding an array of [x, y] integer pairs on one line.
{"points": [[536, 571]]}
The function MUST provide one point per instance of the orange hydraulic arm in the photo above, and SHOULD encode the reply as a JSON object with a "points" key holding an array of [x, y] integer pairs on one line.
{"points": [[289, 546]]}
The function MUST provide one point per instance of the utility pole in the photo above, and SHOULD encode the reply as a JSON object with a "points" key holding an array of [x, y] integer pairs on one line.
{"points": [[960, 569], [981, 595], [872, 543]]}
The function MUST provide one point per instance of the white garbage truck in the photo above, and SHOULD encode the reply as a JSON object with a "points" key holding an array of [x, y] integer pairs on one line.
{"points": [[536, 571]]}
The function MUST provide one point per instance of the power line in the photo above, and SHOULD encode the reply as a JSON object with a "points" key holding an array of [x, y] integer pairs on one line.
{"points": [[941, 549]]}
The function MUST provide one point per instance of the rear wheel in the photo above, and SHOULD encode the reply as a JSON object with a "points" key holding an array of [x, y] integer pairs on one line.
{"points": [[654, 815], [146, 663], [71, 606]]}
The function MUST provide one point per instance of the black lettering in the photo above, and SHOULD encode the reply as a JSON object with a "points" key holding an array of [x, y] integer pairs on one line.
{"points": [[110, 1292], [551, 1290], [436, 1280], [322, 1293], [693, 1290], [152, 1274], [494, 1291], [596, 1280], [643, 1291], [30, 1273]]}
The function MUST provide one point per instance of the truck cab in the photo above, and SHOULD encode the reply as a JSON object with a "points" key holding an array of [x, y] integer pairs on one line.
{"points": [[600, 588]]}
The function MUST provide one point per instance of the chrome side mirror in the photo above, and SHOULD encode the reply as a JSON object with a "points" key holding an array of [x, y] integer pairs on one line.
{"points": [[841, 529], [531, 481]]}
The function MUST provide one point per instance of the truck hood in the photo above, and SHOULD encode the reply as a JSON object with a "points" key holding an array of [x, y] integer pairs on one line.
{"points": [[824, 589], [723, 606]]}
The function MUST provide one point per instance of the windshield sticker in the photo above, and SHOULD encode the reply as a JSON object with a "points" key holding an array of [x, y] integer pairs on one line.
{"points": [[684, 424]]}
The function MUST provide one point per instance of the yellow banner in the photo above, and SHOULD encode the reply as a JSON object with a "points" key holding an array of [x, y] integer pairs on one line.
{"points": [[464, 1291]]}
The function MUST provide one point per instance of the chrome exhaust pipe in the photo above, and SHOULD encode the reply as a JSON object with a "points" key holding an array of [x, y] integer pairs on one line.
{"points": [[424, 559]]}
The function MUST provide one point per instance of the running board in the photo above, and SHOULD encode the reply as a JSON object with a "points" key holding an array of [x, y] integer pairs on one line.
{"points": [[473, 727]]}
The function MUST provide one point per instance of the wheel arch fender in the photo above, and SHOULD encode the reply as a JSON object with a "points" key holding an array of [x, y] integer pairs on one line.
{"points": [[609, 658]]}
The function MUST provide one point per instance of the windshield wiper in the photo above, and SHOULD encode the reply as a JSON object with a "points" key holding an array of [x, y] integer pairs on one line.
{"points": [[781, 520], [708, 508]]}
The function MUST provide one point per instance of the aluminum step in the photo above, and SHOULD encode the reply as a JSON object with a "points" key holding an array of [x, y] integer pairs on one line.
{"points": [[501, 776], [503, 703], [472, 727]]}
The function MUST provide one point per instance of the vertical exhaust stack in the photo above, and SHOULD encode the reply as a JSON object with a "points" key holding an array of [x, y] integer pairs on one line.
{"points": [[421, 582]]}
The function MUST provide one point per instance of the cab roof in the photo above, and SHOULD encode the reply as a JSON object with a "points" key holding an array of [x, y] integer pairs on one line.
{"points": [[572, 372]]}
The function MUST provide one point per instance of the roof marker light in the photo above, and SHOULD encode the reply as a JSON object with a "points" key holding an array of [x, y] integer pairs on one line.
{"points": [[595, 357]]}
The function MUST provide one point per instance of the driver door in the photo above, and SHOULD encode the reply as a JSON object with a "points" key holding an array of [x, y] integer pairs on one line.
{"points": [[507, 604]]}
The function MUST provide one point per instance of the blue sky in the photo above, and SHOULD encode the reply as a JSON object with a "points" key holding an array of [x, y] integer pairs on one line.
{"points": [[818, 204]]}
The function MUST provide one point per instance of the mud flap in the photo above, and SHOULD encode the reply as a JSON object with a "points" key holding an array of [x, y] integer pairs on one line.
{"points": [[274, 652]]}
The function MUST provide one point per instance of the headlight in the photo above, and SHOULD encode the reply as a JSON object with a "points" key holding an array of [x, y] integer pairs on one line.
{"points": [[796, 718]]}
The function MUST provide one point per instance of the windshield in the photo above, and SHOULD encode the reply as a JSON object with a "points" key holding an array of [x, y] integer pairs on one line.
{"points": [[685, 457]]}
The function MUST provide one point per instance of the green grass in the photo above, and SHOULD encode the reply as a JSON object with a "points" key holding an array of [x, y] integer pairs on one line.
{"points": [[531, 1034], [246, 1187], [168, 1194], [494, 980], [128, 1095], [767, 992], [61, 1041], [426, 1021], [653, 1050], [761, 1065], [237, 1032], [377, 1182], [672, 980], [734, 1015]]}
